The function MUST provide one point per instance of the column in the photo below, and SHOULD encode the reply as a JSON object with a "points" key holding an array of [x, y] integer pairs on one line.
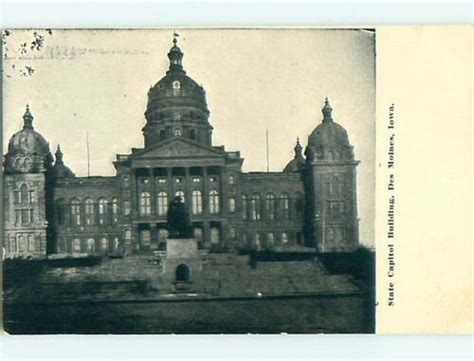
{"points": [[188, 191], [205, 209], [169, 182]]}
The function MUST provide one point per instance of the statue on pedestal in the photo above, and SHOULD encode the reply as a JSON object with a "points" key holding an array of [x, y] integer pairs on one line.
{"points": [[179, 223]]}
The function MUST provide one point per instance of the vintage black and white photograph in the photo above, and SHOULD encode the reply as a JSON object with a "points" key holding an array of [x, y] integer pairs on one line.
{"points": [[189, 181]]}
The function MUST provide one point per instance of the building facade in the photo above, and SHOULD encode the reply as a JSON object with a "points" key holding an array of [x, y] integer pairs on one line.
{"points": [[311, 203]]}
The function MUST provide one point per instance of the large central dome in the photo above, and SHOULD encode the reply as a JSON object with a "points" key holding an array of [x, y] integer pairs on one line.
{"points": [[177, 106]]}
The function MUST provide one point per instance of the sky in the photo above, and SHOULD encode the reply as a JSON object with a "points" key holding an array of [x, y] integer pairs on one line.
{"points": [[96, 82]]}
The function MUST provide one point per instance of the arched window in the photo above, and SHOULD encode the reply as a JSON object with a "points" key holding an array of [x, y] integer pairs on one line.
{"points": [[145, 204], [76, 212], [128, 236], [329, 235], [270, 206], [214, 202], [182, 273], [299, 207], [126, 208], [284, 238], [198, 234], [22, 244], [258, 242], [90, 246], [61, 246], [232, 232], [299, 238], [342, 208], [338, 236], [255, 207], [245, 207], [162, 203], [103, 245], [232, 205], [181, 194], [285, 205], [24, 213], [162, 134], [270, 240], [215, 236], [76, 245], [89, 211], [335, 186], [197, 202], [103, 207], [114, 210], [341, 188], [31, 243], [60, 212], [145, 238]]}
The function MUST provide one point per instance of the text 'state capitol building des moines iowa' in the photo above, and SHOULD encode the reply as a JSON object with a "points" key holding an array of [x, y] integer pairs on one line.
{"points": [[311, 204]]}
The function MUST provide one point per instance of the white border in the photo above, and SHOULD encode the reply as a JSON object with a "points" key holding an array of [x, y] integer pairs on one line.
{"points": [[230, 13]]}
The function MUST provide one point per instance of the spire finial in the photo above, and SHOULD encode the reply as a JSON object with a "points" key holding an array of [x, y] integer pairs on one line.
{"points": [[327, 111], [298, 147], [175, 55], [59, 155], [27, 118]]}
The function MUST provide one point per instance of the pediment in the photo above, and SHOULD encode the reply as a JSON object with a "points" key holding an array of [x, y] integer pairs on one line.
{"points": [[177, 148]]}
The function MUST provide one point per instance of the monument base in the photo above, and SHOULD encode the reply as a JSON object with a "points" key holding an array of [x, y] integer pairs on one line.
{"points": [[181, 248]]}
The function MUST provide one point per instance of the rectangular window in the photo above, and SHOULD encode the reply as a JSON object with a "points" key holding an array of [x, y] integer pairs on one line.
{"points": [[232, 205], [145, 203], [17, 197], [25, 216], [145, 238], [32, 196], [126, 208]]}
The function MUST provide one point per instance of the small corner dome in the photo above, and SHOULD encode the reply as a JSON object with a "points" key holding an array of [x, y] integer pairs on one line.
{"points": [[60, 170], [294, 165], [298, 162]]}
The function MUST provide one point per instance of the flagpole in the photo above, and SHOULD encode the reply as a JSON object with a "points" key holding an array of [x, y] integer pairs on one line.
{"points": [[88, 156], [268, 151]]}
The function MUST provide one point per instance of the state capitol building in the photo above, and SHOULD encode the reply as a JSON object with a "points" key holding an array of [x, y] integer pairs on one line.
{"points": [[310, 204]]}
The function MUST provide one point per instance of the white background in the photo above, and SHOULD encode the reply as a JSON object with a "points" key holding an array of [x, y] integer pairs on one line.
{"points": [[306, 347]]}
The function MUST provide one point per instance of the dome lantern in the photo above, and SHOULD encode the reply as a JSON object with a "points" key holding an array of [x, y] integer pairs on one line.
{"points": [[175, 56], [59, 155], [27, 118], [327, 111]]}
